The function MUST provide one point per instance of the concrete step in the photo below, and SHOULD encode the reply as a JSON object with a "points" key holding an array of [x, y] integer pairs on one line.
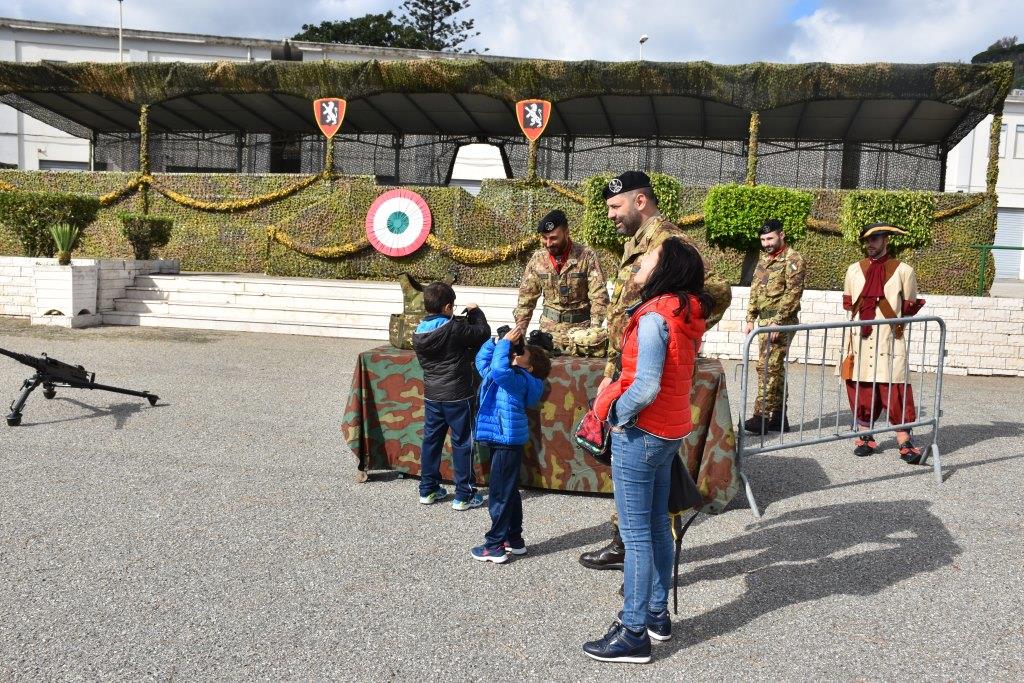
{"points": [[197, 323], [254, 313], [377, 304]]}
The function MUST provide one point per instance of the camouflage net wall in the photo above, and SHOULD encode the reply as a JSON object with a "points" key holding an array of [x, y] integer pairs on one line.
{"points": [[313, 226]]}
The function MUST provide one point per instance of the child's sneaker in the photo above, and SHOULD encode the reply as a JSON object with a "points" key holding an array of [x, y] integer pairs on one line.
{"points": [[476, 501], [484, 555], [434, 496], [516, 547]]}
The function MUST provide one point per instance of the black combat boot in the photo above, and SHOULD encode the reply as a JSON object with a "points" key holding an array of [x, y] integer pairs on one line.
{"points": [[612, 556], [778, 422], [757, 424]]}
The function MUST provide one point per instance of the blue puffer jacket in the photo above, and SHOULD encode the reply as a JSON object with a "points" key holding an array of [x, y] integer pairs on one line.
{"points": [[505, 394]]}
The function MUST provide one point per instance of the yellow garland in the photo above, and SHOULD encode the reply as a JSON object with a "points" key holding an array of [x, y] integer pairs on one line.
{"points": [[481, 257], [236, 205], [824, 226], [115, 196], [958, 209], [7, 187], [340, 251], [564, 191], [691, 219]]}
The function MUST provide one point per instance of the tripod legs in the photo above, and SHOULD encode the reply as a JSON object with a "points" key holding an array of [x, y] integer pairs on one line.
{"points": [[14, 418]]}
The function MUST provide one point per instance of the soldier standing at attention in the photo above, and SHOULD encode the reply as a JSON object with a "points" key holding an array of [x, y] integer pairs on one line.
{"points": [[633, 207], [569, 277], [775, 295]]}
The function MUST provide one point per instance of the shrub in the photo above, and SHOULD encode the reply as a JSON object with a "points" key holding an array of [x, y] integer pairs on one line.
{"points": [[734, 214], [30, 216], [65, 237], [912, 211], [145, 232], [598, 231]]}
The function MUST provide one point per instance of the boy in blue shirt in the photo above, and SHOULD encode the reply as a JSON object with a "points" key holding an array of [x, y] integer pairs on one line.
{"points": [[445, 344], [512, 382]]}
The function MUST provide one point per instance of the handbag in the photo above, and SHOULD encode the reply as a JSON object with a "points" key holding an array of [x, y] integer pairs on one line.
{"points": [[593, 436]]}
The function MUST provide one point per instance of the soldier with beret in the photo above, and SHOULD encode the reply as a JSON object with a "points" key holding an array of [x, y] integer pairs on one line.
{"points": [[633, 207], [568, 275], [881, 286], [775, 293]]}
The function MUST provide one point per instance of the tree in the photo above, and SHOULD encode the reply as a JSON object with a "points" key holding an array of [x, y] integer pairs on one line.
{"points": [[379, 30], [1003, 43], [435, 20]]}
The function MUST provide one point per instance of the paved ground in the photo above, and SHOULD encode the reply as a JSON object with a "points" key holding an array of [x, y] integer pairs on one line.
{"points": [[221, 535]]}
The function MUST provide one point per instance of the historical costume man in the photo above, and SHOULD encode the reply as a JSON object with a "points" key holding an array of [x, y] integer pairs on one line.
{"points": [[569, 277], [881, 286], [633, 207], [775, 293]]}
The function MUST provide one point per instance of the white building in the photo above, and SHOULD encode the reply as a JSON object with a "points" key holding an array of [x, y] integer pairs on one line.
{"points": [[965, 172], [30, 144]]}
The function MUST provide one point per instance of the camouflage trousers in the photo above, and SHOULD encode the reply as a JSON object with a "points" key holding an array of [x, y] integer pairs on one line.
{"points": [[771, 373], [560, 332]]}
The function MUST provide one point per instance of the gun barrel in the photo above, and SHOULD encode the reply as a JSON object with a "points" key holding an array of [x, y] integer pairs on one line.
{"points": [[20, 357]]}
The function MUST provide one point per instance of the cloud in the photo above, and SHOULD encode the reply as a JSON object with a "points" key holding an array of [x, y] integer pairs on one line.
{"points": [[898, 31], [726, 32]]}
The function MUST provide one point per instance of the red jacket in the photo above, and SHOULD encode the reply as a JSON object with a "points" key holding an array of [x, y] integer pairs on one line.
{"points": [[668, 416]]}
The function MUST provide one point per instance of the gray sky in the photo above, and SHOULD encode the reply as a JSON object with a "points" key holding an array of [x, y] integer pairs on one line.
{"points": [[719, 31]]}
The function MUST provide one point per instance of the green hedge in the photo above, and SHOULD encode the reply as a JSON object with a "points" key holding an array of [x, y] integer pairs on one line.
{"points": [[145, 232], [909, 210], [29, 216], [332, 213], [734, 214]]}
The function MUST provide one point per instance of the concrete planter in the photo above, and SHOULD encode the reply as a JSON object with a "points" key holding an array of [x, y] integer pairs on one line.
{"points": [[66, 295]]}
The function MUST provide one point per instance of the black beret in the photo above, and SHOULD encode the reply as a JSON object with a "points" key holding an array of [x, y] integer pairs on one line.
{"points": [[551, 221], [627, 182], [880, 229], [771, 225]]}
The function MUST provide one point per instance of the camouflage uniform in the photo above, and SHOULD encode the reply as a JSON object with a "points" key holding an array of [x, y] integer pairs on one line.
{"points": [[775, 293], [576, 297], [626, 292]]}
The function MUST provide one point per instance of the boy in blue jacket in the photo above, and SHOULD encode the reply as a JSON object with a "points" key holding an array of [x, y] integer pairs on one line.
{"points": [[511, 384]]}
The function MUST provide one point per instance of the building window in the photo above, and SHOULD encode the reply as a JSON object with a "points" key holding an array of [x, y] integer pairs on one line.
{"points": [[1002, 141], [1018, 145]]}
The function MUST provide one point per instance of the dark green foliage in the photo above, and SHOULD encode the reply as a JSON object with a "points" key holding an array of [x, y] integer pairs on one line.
{"points": [[328, 214], [1012, 53], [733, 214], [380, 30], [30, 214], [145, 232], [911, 211], [435, 21]]}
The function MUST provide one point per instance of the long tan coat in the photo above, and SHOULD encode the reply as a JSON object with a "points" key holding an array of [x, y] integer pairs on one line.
{"points": [[892, 352]]}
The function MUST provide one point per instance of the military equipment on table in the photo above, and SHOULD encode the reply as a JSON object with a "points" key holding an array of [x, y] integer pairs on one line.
{"points": [[402, 325], [52, 373]]}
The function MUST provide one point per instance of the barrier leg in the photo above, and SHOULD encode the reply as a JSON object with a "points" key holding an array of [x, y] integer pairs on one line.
{"points": [[750, 495], [936, 465]]}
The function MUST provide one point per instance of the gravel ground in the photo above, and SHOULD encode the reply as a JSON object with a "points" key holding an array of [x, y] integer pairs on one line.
{"points": [[221, 535]]}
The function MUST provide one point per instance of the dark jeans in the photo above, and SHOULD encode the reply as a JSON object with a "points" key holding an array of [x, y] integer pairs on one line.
{"points": [[503, 499], [438, 417]]}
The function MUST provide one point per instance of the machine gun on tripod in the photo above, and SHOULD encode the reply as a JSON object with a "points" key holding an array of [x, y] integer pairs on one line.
{"points": [[52, 373]]}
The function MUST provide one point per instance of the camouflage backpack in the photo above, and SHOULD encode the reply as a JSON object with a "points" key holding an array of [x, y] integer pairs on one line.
{"points": [[589, 342], [402, 325]]}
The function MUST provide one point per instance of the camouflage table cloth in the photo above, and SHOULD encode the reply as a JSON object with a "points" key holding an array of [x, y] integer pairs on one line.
{"points": [[383, 426]]}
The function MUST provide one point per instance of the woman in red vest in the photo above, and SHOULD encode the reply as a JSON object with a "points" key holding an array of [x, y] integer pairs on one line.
{"points": [[649, 410]]}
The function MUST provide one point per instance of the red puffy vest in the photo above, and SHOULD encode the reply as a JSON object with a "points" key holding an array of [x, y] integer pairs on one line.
{"points": [[668, 416]]}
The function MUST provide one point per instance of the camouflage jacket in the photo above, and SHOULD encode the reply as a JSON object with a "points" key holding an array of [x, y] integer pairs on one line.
{"points": [[578, 285], [625, 293], [776, 288]]}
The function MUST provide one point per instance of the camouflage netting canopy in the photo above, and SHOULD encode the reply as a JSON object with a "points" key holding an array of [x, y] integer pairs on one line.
{"points": [[821, 125]]}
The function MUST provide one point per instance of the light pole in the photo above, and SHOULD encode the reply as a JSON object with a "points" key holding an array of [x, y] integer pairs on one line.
{"points": [[643, 39], [120, 31]]}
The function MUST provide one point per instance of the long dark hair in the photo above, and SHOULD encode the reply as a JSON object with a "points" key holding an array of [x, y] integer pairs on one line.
{"points": [[680, 271]]}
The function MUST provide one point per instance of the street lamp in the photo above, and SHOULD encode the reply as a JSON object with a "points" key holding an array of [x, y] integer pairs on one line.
{"points": [[643, 39], [120, 31]]}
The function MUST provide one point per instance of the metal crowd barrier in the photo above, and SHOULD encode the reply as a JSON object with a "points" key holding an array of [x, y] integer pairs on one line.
{"points": [[817, 428]]}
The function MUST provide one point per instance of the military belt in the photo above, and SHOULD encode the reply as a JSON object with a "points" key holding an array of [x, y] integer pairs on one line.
{"points": [[578, 316]]}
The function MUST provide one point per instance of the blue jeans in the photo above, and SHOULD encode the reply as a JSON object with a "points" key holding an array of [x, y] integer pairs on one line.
{"points": [[641, 473], [438, 417], [503, 499]]}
